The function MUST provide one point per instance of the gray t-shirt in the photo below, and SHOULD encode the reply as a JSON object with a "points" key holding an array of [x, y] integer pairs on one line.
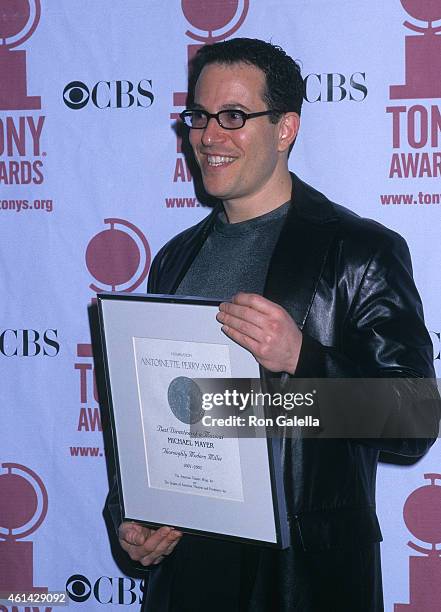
{"points": [[235, 257]]}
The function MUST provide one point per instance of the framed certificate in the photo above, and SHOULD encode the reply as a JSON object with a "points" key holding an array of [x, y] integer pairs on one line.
{"points": [[170, 469]]}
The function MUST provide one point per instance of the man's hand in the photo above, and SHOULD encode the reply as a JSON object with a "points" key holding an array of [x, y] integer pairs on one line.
{"points": [[148, 546], [264, 328]]}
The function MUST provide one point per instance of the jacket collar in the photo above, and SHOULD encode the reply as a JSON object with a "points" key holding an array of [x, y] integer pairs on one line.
{"points": [[300, 252]]}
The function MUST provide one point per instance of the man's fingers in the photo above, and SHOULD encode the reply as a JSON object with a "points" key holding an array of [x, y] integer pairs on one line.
{"points": [[263, 328], [146, 545], [172, 546], [161, 540], [248, 343], [245, 313], [239, 325], [164, 548], [133, 534], [166, 553], [255, 301]]}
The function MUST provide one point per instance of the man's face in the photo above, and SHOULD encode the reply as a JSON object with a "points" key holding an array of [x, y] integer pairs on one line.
{"points": [[236, 165]]}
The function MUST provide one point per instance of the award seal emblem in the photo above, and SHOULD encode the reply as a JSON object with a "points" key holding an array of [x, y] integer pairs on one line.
{"points": [[185, 400]]}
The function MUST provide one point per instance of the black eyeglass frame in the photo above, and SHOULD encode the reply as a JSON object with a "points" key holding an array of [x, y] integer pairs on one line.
{"points": [[245, 116]]}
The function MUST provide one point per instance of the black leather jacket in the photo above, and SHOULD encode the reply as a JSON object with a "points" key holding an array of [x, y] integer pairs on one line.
{"points": [[347, 282]]}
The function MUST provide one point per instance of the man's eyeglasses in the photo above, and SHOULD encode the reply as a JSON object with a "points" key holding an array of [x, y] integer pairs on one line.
{"points": [[228, 119]]}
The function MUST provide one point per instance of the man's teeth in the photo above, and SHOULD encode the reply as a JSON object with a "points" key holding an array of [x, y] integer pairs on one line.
{"points": [[218, 160]]}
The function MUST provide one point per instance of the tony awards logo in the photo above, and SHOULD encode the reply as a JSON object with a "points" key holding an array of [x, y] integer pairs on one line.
{"points": [[422, 515], [23, 508], [423, 52], [17, 24], [118, 258]]}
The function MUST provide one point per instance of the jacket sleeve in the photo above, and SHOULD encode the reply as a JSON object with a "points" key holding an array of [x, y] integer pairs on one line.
{"points": [[386, 348]]}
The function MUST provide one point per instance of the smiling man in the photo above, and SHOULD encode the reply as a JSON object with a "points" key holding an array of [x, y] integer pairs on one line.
{"points": [[242, 164], [311, 290]]}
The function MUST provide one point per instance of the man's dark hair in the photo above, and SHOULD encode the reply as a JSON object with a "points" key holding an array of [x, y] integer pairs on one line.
{"points": [[284, 84]]}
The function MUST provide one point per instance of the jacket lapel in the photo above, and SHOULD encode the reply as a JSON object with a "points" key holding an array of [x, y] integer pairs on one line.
{"points": [[191, 248], [178, 261], [300, 253]]}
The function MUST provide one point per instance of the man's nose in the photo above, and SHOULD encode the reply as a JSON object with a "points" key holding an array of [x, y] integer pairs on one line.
{"points": [[212, 133]]}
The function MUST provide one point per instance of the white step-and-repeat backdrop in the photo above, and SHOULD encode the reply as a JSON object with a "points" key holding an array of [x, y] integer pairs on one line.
{"points": [[93, 182]]}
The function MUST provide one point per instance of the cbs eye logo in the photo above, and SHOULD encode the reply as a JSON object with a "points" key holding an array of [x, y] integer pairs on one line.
{"points": [[78, 588], [109, 94], [76, 95]]}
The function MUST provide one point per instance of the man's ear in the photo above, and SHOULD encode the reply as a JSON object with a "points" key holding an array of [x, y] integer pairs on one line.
{"points": [[288, 128]]}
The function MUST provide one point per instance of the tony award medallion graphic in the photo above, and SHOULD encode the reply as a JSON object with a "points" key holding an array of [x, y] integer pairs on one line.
{"points": [[119, 259], [423, 53], [23, 508], [422, 515], [209, 17], [185, 400], [17, 24]]}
